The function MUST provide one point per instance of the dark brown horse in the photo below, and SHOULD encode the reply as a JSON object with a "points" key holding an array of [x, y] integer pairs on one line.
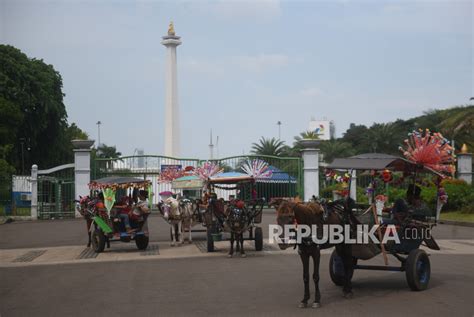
{"points": [[309, 214]]}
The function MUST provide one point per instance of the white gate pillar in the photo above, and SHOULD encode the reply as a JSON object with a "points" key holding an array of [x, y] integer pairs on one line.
{"points": [[34, 191], [310, 155], [82, 168], [465, 165]]}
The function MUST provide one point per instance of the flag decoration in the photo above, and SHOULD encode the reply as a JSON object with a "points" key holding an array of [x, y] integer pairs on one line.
{"points": [[170, 174], [109, 198], [207, 170], [430, 149], [257, 168]]}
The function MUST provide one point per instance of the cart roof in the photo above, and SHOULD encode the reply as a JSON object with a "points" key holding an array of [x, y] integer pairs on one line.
{"points": [[230, 178], [188, 182], [378, 161], [118, 180]]}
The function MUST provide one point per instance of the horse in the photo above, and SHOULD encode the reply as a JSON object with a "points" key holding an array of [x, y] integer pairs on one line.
{"points": [[85, 206], [187, 210], [172, 214], [238, 221], [313, 213]]}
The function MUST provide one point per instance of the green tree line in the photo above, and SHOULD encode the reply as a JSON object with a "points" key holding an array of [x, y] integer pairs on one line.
{"points": [[456, 124]]}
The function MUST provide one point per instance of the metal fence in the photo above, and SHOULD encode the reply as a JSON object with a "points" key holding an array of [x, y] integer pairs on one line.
{"points": [[287, 179], [56, 194]]}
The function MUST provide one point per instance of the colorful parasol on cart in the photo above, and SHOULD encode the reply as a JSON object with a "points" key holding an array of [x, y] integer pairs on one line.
{"points": [[430, 149], [207, 170], [257, 169]]}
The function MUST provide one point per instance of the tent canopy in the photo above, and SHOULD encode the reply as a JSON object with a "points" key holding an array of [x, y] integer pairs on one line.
{"points": [[230, 178], [278, 176]]}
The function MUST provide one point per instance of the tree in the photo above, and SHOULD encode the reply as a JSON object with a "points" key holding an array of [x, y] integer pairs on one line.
{"points": [[334, 149], [104, 151], [271, 146], [459, 126], [33, 112]]}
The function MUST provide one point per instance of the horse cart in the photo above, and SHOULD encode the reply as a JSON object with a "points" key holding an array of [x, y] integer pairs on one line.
{"points": [[239, 214], [411, 219], [116, 210]]}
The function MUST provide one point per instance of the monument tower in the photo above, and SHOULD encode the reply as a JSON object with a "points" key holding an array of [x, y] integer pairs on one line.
{"points": [[172, 137]]}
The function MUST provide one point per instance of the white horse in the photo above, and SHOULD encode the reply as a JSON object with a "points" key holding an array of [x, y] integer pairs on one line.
{"points": [[172, 214], [187, 208]]}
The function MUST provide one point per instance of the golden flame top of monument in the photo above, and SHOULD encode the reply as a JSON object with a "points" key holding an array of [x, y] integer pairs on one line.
{"points": [[171, 29], [464, 148]]}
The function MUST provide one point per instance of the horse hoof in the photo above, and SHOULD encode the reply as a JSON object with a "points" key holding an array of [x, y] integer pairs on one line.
{"points": [[303, 305], [243, 255], [229, 255], [348, 295], [172, 244], [190, 242], [316, 305]]}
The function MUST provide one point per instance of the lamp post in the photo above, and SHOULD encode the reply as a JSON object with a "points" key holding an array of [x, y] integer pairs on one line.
{"points": [[279, 130], [98, 133]]}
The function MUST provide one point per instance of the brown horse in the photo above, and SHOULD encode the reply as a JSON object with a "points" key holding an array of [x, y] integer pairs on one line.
{"points": [[313, 213], [85, 206]]}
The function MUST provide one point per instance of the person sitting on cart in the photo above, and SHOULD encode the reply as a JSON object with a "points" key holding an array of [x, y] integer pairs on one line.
{"points": [[402, 208], [123, 211], [141, 210]]}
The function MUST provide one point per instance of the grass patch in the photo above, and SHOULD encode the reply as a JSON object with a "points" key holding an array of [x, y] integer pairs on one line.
{"points": [[457, 216]]}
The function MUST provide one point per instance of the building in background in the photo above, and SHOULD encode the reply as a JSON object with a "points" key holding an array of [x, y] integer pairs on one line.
{"points": [[325, 129]]}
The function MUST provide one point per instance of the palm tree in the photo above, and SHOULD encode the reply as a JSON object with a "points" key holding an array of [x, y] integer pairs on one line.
{"points": [[311, 135], [459, 125], [383, 138], [104, 151], [334, 148], [271, 147]]}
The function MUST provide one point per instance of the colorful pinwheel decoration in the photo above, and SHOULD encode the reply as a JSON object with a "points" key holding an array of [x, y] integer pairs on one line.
{"points": [[170, 174], [257, 169], [430, 149], [207, 170]]}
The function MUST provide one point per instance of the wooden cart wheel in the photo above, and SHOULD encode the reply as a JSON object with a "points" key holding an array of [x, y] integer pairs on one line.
{"points": [[98, 240], [418, 270], [336, 268]]}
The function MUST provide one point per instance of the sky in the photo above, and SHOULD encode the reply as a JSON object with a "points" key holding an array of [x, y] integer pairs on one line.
{"points": [[245, 65]]}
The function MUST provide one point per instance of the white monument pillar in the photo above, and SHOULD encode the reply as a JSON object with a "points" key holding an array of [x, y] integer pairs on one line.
{"points": [[82, 168], [465, 165], [172, 138], [310, 155]]}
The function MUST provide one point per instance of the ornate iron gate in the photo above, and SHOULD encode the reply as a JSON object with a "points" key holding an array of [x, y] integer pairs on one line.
{"points": [[56, 194]]}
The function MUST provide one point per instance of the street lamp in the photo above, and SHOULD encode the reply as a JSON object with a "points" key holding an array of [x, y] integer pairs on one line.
{"points": [[98, 130], [279, 129]]}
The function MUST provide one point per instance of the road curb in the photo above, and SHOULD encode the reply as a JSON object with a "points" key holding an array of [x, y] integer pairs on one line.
{"points": [[457, 223]]}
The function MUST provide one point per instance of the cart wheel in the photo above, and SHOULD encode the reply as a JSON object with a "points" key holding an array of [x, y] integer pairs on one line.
{"points": [[98, 240], [336, 268], [210, 239], [418, 270], [142, 242], [258, 239]]}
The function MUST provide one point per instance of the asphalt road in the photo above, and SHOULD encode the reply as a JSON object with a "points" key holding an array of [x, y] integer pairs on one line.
{"points": [[262, 284], [50, 233], [257, 285]]}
